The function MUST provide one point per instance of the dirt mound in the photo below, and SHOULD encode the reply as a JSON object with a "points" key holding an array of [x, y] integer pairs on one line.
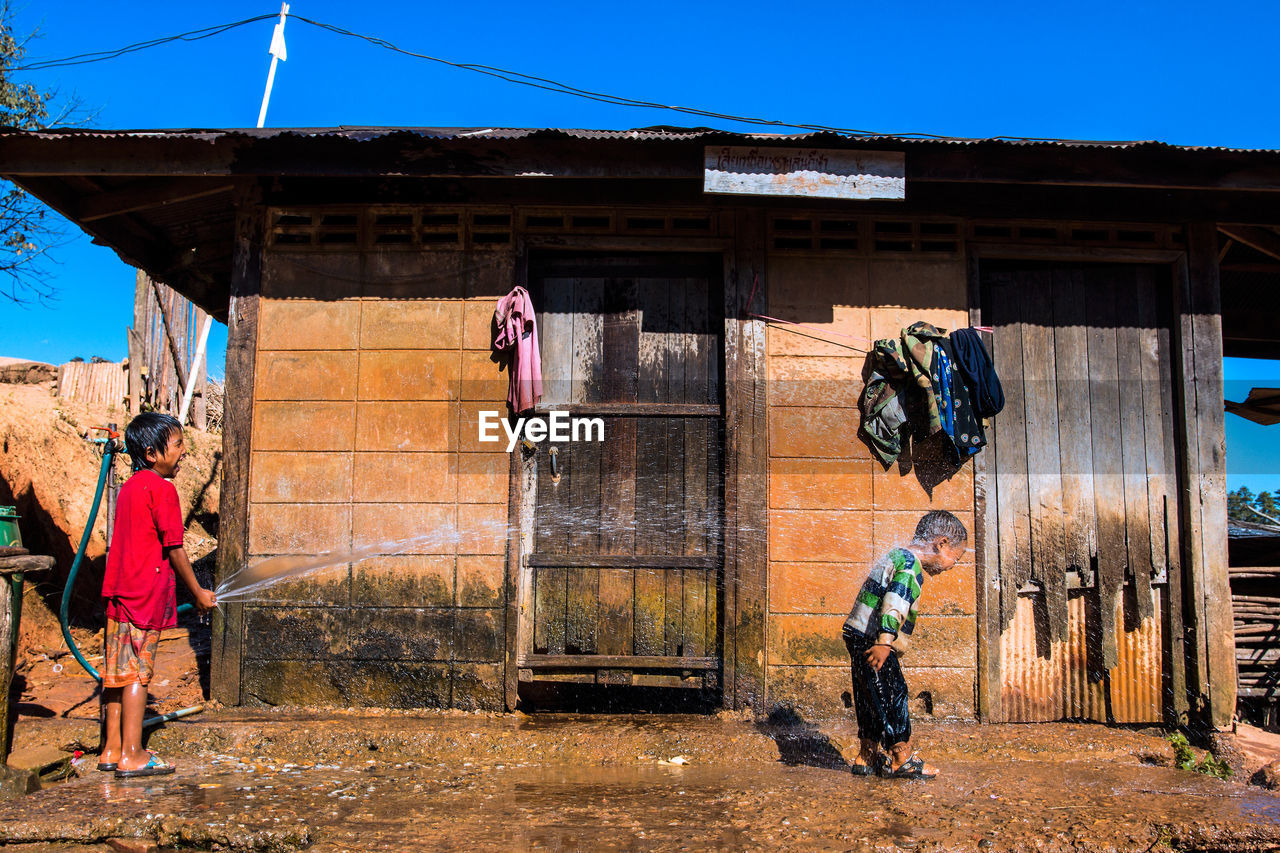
{"points": [[49, 471], [20, 372]]}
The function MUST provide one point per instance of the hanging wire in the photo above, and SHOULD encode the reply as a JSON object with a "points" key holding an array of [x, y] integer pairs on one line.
{"points": [[102, 55], [507, 75]]}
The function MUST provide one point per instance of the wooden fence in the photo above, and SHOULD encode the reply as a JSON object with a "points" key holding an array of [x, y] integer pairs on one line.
{"points": [[103, 383], [162, 346]]}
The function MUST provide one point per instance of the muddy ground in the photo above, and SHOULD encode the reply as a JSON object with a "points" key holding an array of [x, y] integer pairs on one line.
{"points": [[396, 782], [280, 781]]}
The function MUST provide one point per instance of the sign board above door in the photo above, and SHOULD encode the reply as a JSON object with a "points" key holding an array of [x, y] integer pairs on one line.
{"points": [[807, 172]]}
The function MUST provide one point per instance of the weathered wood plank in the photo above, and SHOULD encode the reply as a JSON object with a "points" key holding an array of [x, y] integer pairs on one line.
{"points": [[1012, 491], [588, 346], [986, 578], [621, 493], [660, 371], [1044, 469], [1154, 392], [1075, 441], [1108, 484], [554, 520], [555, 298], [652, 535], [1129, 355], [590, 528], [549, 596]]}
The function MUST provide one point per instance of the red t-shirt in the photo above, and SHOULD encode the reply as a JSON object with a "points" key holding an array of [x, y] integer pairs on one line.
{"points": [[139, 582]]}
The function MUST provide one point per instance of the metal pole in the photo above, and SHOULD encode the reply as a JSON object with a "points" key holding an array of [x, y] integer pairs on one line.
{"points": [[277, 52], [194, 373]]}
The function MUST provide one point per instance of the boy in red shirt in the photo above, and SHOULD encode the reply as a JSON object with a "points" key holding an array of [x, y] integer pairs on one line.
{"points": [[138, 588]]}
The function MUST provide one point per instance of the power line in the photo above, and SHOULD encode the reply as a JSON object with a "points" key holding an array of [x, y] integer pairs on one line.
{"points": [[102, 55], [504, 74], [565, 89]]}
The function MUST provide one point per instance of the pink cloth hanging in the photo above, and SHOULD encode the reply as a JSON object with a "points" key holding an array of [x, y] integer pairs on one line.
{"points": [[518, 335]]}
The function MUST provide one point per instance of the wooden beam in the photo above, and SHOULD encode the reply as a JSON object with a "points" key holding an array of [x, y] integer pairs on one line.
{"points": [[619, 561], [1263, 239], [146, 194], [237, 440], [1211, 673], [746, 470], [616, 662], [1202, 262]]}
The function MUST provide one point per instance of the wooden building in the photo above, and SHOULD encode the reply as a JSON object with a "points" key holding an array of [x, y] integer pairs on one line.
{"points": [[716, 538]]}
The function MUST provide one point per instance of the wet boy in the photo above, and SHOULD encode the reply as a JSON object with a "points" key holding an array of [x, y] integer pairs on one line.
{"points": [[138, 589], [883, 615]]}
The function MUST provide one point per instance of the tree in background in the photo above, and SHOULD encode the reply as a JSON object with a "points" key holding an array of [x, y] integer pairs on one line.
{"points": [[27, 229], [1237, 502], [1266, 504]]}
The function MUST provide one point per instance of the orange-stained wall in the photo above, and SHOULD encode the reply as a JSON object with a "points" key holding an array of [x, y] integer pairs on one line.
{"points": [[832, 506], [370, 371], [364, 432]]}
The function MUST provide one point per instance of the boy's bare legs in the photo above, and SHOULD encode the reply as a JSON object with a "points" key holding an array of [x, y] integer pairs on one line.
{"points": [[111, 742], [900, 753], [133, 705]]}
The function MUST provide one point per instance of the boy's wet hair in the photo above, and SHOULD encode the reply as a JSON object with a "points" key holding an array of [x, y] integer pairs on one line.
{"points": [[939, 522], [148, 429]]}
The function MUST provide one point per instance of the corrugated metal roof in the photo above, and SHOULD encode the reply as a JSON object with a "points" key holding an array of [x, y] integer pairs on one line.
{"points": [[646, 134]]}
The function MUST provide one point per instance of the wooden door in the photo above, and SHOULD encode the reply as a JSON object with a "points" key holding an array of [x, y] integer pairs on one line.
{"points": [[623, 569], [1087, 546]]}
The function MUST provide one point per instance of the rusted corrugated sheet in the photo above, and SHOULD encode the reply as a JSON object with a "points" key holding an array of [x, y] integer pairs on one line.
{"points": [[1044, 680], [648, 134]]}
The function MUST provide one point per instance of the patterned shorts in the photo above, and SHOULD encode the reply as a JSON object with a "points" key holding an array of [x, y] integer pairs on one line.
{"points": [[130, 654]]}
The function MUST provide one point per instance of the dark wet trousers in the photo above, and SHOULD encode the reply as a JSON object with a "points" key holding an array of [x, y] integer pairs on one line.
{"points": [[879, 698]]}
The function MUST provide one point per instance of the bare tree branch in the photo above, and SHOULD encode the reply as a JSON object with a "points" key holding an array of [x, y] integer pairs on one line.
{"points": [[29, 231]]}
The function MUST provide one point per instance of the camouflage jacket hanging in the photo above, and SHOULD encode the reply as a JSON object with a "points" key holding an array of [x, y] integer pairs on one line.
{"points": [[882, 414]]}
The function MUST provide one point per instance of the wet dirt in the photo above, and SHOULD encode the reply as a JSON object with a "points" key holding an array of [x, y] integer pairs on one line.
{"points": [[391, 783]]}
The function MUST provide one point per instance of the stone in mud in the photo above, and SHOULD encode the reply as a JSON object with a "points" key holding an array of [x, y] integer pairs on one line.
{"points": [[1268, 776], [132, 845], [16, 782]]}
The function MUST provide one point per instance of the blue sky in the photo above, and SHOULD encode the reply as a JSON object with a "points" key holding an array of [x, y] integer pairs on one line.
{"points": [[1179, 72]]}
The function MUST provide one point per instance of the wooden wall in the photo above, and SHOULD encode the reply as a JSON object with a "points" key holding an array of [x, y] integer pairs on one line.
{"points": [[370, 369], [832, 508]]}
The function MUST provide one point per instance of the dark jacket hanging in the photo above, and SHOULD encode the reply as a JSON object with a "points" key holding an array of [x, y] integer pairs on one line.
{"points": [[978, 372]]}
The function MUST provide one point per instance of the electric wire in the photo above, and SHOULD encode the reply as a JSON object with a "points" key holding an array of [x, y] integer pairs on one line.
{"points": [[507, 75], [101, 55]]}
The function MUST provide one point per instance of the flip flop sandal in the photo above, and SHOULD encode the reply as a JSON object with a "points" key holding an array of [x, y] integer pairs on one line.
{"points": [[912, 768], [155, 766], [871, 769], [107, 767]]}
